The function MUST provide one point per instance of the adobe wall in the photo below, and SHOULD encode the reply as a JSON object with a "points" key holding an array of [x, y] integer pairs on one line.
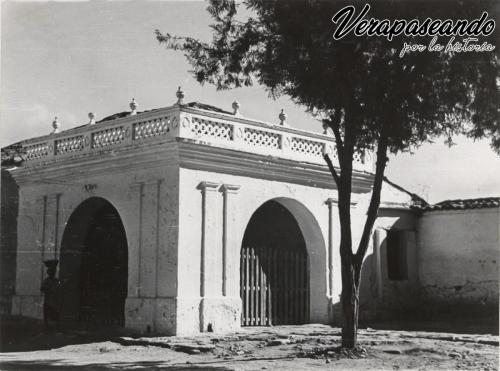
{"points": [[458, 253]]}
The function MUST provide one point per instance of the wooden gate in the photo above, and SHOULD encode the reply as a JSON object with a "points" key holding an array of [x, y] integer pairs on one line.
{"points": [[274, 286]]}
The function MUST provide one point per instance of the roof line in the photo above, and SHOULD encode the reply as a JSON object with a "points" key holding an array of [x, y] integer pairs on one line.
{"points": [[414, 196], [464, 204]]}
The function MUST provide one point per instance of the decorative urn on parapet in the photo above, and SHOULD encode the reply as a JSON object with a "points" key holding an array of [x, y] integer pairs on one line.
{"points": [[91, 118], [133, 106], [180, 96], [236, 108], [56, 125], [282, 116]]}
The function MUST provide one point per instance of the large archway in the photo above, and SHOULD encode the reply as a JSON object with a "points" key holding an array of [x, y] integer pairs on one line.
{"points": [[274, 268], [94, 265]]}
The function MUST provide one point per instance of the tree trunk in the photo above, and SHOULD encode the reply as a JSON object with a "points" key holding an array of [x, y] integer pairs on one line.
{"points": [[351, 263], [350, 294], [350, 306]]}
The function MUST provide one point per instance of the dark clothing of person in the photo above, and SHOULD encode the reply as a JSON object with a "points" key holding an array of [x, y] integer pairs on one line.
{"points": [[51, 302], [50, 314]]}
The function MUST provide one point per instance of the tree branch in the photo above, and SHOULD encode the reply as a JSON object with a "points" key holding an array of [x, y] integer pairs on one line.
{"points": [[332, 169], [335, 126], [375, 199]]}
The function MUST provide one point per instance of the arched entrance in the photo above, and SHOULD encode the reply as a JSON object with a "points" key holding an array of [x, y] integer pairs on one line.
{"points": [[94, 265], [274, 270]]}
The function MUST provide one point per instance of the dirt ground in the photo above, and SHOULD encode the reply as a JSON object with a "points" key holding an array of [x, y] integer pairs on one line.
{"points": [[309, 347]]}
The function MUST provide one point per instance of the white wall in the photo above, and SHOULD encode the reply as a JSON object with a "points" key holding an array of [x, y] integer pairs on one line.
{"points": [[308, 206], [381, 297], [458, 256], [146, 200]]}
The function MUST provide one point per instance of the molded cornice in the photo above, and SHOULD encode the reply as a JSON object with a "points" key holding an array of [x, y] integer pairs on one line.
{"points": [[222, 160], [187, 154], [116, 161]]}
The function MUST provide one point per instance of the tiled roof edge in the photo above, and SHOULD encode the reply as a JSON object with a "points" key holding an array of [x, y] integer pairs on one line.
{"points": [[465, 204]]}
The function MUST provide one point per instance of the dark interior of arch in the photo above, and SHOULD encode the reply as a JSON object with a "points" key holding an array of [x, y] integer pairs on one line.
{"points": [[94, 265], [273, 225], [274, 277]]}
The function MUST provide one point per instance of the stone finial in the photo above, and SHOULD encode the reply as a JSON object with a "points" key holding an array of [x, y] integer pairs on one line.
{"points": [[282, 116], [56, 125], [180, 96], [236, 108], [133, 106], [91, 118]]}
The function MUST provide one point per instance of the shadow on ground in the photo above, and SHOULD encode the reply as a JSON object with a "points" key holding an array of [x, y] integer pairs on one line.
{"points": [[452, 324], [19, 334], [59, 365]]}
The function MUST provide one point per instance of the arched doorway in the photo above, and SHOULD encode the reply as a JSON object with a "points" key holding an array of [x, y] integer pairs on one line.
{"points": [[94, 265], [274, 270]]}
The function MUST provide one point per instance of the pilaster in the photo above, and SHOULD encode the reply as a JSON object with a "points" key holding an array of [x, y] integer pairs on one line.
{"points": [[220, 303], [51, 233], [146, 309], [332, 204], [230, 259], [209, 252], [134, 253], [42, 206], [379, 236], [27, 300], [149, 239]]}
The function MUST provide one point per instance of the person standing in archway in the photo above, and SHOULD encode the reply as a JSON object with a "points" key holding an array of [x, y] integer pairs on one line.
{"points": [[51, 289]]}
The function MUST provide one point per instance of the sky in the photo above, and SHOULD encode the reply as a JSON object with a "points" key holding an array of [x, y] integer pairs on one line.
{"points": [[67, 59]]}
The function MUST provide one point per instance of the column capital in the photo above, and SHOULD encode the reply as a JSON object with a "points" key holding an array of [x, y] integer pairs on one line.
{"points": [[331, 201], [229, 188], [136, 185], [153, 181], [207, 186], [52, 195]]}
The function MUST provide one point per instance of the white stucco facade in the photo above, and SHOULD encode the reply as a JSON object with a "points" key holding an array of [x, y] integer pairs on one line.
{"points": [[458, 252], [185, 191], [185, 182]]}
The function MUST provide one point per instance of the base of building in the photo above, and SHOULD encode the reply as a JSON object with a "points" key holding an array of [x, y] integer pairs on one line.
{"points": [[220, 314], [27, 306], [183, 316], [151, 315]]}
